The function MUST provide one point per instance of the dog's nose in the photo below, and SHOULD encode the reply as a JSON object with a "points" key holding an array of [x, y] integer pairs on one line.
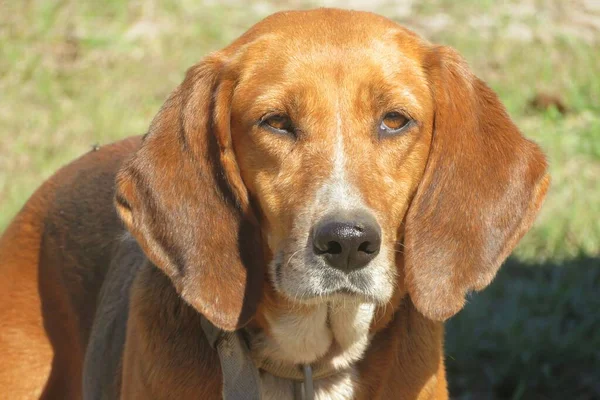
{"points": [[347, 243]]}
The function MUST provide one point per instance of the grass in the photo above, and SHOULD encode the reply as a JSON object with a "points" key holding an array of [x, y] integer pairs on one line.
{"points": [[78, 73], [533, 334]]}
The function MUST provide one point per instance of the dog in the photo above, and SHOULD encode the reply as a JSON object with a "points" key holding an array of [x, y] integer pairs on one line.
{"points": [[329, 187]]}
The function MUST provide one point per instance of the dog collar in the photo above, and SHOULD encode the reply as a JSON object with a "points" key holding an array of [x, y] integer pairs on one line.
{"points": [[297, 374], [303, 377], [241, 379]]}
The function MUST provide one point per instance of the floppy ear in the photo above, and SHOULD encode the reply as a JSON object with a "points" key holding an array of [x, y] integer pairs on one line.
{"points": [[482, 188], [182, 197]]}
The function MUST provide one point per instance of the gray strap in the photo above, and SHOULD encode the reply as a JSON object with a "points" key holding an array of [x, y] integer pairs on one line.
{"points": [[240, 376], [305, 390]]}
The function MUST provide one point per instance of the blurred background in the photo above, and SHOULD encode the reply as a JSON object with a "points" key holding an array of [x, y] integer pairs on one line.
{"points": [[74, 74]]}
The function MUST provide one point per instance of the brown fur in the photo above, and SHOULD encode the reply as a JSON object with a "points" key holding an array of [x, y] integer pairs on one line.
{"points": [[208, 195]]}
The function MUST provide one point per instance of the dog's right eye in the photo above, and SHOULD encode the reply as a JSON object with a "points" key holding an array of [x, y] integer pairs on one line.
{"points": [[279, 123]]}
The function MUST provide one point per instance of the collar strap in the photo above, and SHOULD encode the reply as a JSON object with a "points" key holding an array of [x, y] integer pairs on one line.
{"points": [[305, 390], [295, 373], [240, 375], [241, 379]]}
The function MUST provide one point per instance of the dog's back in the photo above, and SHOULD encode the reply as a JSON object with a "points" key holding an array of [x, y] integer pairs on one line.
{"points": [[54, 257]]}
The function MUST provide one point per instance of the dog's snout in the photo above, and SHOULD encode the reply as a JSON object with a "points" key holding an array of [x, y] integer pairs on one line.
{"points": [[347, 243]]}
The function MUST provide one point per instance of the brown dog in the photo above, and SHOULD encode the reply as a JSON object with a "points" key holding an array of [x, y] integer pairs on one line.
{"points": [[330, 185]]}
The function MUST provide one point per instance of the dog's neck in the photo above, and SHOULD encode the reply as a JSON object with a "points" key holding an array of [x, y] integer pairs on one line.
{"points": [[333, 333], [331, 337], [398, 355], [340, 340]]}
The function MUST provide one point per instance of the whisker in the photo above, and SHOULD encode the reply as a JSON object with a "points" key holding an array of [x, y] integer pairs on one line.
{"points": [[292, 256]]}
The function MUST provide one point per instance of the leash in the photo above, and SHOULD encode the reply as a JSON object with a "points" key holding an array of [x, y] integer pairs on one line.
{"points": [[241, 380]]}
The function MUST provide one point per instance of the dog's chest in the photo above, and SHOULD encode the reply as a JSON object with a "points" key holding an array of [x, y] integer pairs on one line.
{"points": [[334, 335], [305, 338]]}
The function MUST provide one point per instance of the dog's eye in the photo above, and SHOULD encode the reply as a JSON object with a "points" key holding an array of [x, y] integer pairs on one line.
{"points": [[280, 123], [393, 123]]}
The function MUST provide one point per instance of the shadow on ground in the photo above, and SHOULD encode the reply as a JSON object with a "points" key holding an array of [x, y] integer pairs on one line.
{"points": [[533, 334]]}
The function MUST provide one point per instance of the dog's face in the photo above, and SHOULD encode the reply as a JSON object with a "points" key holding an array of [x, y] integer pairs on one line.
{"points": [[332, 142], [342, 153]]}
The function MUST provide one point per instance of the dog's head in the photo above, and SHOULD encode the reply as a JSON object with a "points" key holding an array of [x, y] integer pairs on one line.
{"points": [[342, 153]]}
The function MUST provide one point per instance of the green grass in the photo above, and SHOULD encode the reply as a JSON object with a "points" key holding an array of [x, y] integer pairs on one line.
{"points": [[532, 335], [78, 73], [73, 74]]}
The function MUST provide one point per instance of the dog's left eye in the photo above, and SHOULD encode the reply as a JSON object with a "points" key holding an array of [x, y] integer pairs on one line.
{"points": [[393, 123], [280, 123]]}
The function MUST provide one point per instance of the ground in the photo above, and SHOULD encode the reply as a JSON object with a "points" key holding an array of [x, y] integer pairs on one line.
{"points": [[74, 74]]}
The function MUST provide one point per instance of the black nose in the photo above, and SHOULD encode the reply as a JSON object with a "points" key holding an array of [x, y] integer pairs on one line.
{"points": [[349, 242]]}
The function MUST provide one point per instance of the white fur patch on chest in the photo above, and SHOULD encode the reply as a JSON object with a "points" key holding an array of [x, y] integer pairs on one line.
{"points": [[350, 323], [334, 335], [300, 339]]}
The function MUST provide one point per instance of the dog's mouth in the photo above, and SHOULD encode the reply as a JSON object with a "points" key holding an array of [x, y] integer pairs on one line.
{"points": [[303, 278], [335, 255]]}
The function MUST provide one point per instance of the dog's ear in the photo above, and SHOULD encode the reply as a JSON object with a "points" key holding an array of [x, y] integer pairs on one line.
{"points": [[182, 197], [482, 188]]}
